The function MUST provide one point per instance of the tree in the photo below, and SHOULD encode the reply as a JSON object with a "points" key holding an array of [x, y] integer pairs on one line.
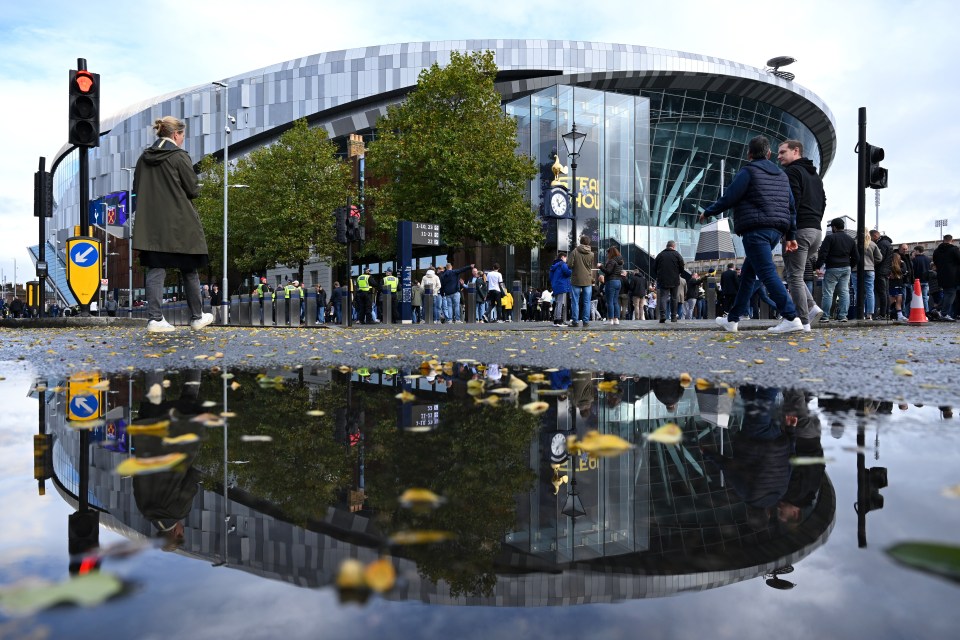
{"points": [[285, 215], [446, 155]]}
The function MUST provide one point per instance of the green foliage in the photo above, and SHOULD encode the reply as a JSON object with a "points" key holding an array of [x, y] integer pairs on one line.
{"points": [[446, 155], [285, 214]]}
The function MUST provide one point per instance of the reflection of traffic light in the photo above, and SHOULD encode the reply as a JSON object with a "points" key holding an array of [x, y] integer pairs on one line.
{"points": [[341, 225], [869, 484], [83, 530], [84, 128], [876, 175]]}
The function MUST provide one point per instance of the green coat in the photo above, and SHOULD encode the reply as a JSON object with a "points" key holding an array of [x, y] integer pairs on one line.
{"points": [[165, 185]]}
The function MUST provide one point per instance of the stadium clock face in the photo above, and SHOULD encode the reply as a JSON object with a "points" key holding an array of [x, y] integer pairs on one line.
{"points": [[558, 445], [559, 206]]}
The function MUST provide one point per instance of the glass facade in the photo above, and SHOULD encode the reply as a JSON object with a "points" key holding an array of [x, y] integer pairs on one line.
{"points": [[650, 164]]}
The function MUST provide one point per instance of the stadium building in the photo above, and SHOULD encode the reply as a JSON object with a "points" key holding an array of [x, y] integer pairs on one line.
{"points": [[665, 130]]}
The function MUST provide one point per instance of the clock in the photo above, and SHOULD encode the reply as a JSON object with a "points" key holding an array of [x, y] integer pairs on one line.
{"points": [[558, 202], [558, 446]]}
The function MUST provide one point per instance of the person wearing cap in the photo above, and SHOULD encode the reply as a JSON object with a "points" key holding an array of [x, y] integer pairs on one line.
{"points": [[838, 253], [365, 286], [392, 282], [262, 290], [764, 216]]}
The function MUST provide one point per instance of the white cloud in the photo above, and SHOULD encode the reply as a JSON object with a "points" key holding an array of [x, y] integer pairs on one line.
{"points": [[894, 58]]}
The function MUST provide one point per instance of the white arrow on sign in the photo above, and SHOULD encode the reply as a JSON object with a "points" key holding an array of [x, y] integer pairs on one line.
{"points": [[80, 258], [82, 403]]}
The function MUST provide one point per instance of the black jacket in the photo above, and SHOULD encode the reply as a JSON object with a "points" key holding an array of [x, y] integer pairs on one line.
{"points": [[668, 267], [947, 258], [761, 196], [838, 250], [885, 245], [808, 195], [729, 282]]}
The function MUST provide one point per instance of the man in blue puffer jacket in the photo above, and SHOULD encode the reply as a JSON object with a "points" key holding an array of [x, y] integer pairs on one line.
{"points": [[560, 283], [764, 213]]}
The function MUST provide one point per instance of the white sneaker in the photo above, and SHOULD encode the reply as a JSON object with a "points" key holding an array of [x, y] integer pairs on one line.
{"points": [[814, 314], [201, 322], [726, 324], [787, 326], [806, 327], [901, 317], [160, 326], [616, 321]]}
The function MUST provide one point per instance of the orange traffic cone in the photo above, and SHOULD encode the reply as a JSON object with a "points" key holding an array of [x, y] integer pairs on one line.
{"points": [[917, 315]]}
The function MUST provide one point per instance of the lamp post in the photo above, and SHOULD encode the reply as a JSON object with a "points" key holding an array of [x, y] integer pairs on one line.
{"points": [[573, 141], [225, 298], [129, 171]]}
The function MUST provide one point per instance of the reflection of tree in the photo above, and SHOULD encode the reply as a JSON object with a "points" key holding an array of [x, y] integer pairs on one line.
{"points": [[476, 459], [303, 468]]}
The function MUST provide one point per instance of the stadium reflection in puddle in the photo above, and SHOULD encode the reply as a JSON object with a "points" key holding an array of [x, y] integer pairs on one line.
{"points": [[464, 483]]}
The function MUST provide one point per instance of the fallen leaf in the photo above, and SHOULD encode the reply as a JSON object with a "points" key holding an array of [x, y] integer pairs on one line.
{"points": [[536, 408], [901, 370], [380, 575], [669, 433], [315, 413], [425, 536], [405, 396], [253, 438], [143, 466], [420, 499], [930, 557], [186, 438], [85, 590]]}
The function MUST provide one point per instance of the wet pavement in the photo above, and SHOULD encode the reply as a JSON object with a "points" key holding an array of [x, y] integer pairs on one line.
{"points": [[358, 484]]}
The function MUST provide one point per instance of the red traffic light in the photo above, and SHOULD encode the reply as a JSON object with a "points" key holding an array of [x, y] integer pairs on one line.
{"points": [[84, 81]]}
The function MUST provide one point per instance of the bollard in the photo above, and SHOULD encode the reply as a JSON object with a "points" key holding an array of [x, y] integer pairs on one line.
{"points": [[711, 297], [293, 319], [517, 292], [311, 313], [280, 306], [243, 318], [256, 311], [386, 305], [234, 309], [428, 305], [345, 311], [267, 311], [471, 303]]}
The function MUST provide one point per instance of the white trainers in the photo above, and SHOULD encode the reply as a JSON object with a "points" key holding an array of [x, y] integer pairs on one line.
{"points": [[160, 326], [616, 321], [787, 326], [726, 324], [806, 327], [201, 322], [814, 314]]}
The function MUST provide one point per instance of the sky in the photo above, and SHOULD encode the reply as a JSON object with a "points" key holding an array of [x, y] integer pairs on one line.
{"points": [[893, 57]]}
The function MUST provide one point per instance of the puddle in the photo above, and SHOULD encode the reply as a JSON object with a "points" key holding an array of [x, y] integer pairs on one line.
{"points": [[480, 490]]}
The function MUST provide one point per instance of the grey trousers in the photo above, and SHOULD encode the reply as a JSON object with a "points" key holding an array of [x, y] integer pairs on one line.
{"points": [[154, 286], [560, 306], [794, 264]]}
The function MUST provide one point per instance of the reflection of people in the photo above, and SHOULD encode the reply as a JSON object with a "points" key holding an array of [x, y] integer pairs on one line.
{"points": [[167, 231], [582, 392], [165, 498], [668, 391], [804, 479]]}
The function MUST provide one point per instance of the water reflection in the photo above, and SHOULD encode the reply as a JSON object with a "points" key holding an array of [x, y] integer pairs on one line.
{"points": [[314, 461]]}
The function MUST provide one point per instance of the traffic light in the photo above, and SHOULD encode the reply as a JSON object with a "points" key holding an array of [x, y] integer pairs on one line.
{"points": [[354, 230], [341, 224], [876, 175], [84, 128], [869, 498]]}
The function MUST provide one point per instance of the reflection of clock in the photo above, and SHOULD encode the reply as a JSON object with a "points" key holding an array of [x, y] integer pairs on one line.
{"points": [[558, 445]]}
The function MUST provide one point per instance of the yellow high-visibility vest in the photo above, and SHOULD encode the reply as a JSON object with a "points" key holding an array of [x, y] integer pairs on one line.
{"points": [[363, 282], [392, 282]]}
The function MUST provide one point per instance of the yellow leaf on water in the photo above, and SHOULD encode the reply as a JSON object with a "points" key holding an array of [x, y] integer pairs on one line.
{"points": [[685, 379], [757, 361], [475, 384], [669, 433], [901, 370], [186, 438], [536, 408], [425, 536], [253, 438], [607, 385], [143, 466], [350, 575], [234, 385], [417, 498], [900, 361], [160, 428], [703, 385], [504, 391], [783, 359], [604, 445], [491, 400], [315, 413], [405, 396], [380, 575], [517, 384], [536, 378]]}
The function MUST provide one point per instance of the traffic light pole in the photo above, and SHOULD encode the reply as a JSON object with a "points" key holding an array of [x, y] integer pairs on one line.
{"points": [[864, 159], [348, 320]]}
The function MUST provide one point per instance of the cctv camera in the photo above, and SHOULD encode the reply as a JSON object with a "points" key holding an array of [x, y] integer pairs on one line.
{"points": [[232, 120]]}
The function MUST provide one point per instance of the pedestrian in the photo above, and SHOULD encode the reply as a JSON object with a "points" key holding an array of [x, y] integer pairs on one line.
{"points": [[881, 284], [392, 283], [668, 268], [167, 230], [431, 287], [652, 303], [896, 287], [215, 301], [416, 302], [336, 300], [637, 286], [321, 304], [506, 302], [612, 271], [946, 257], [729, 285], [838, 253], [450, 290], [921, 271], [366, 284], [811, 202], [581, 282], [560, 274], [495, 291], [871, 258], [764, 216]]}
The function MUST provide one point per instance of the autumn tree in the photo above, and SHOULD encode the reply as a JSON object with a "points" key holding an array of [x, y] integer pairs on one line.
{"points": [[446, 155], [285, 213]]}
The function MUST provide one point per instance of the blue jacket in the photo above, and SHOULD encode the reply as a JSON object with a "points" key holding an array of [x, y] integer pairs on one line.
{"points": [[560, 274], [450, 280], [761, 195]]}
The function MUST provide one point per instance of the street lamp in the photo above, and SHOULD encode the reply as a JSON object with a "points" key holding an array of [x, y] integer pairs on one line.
{"points": [[129, 171], [573, 141], [224, 297]]}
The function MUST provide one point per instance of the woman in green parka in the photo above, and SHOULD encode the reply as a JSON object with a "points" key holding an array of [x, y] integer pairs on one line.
{"points": [[167, 230]]}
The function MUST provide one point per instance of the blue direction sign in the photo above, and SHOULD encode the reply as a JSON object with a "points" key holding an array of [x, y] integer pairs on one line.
{"points": [[84, 407], [83, 267]]}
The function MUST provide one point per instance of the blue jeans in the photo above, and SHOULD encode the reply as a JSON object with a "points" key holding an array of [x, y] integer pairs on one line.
{"points": [[869, 300], [581, 304], [833, 278], [925, 290], [612, 291], [321, 314], [949, 295], [451, 306], [758, 263]]}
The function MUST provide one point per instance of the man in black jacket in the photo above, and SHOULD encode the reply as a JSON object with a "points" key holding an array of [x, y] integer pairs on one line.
{"points": [[881, 284], [669, 269], [921, 271], [808, 195], [947, 258], [729, 283], [839, 253]]}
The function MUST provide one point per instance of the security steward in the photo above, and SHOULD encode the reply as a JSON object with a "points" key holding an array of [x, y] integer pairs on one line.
{"points": [[392, 282], [365, 286], [262, 290]]}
